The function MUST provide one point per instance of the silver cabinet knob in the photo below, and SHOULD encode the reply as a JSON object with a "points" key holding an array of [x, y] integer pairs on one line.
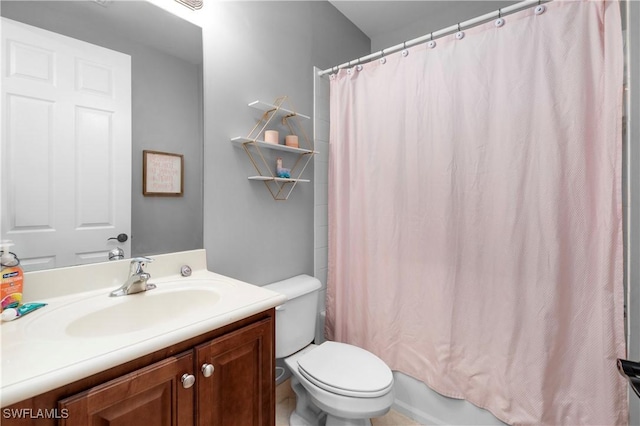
{"points": [[207, 370], [187, 380]]}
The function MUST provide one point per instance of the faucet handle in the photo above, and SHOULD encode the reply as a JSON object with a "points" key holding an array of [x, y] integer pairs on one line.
{"points": [[138, 263]]}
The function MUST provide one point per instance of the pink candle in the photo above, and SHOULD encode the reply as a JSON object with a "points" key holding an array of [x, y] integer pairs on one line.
{"points": [[291, 140]]}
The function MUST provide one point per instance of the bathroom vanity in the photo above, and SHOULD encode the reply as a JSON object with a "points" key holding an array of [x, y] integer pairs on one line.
{"points": [[213, 364]]}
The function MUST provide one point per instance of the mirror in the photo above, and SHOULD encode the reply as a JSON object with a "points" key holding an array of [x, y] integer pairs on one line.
{"points": [[166, 105]]}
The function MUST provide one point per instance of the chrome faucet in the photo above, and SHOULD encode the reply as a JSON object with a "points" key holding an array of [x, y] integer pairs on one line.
{"points": [[137, 281]]}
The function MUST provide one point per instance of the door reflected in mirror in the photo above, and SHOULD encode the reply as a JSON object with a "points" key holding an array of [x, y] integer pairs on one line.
{"points": [[44, 186]]}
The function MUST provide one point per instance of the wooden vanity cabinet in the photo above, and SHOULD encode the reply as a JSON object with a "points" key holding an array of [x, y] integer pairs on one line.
{"points": [[233, 368], [153, 395]]}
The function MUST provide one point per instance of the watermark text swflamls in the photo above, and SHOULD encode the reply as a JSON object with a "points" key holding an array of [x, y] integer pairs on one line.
{"points": [[35, 413]]}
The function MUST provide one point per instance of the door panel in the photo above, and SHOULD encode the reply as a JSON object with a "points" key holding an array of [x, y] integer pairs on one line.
{"points": [[94, 142]]}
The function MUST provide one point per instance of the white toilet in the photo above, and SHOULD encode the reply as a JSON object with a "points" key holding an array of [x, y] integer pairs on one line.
{"points": [[335, 383]]}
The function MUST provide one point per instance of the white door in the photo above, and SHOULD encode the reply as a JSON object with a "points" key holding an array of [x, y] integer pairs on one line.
{"points": [[66, 147]]}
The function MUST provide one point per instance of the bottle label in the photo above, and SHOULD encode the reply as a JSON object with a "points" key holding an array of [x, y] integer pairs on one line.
{"points": [[11, 288]]}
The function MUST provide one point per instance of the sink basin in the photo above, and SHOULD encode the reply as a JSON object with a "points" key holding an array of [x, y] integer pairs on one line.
{"points": [[169, 305], [138, 311]]}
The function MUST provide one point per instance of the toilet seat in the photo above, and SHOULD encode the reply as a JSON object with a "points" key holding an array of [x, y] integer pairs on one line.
{"points": [[346, 370]]}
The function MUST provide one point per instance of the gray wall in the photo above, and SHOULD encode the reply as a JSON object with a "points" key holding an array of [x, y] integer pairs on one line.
{"points": [[259, 51], [166, 115], [443, 14], [168, 87]]}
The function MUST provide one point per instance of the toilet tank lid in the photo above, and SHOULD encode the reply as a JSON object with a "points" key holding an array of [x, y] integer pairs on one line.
{"points": [[295, 286]]}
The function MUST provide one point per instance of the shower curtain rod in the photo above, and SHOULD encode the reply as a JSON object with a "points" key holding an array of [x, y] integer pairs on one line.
{"points": [[438, 34]]}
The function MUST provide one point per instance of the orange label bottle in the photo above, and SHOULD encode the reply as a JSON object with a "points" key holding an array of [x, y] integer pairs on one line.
{"points": [[12, 278]]}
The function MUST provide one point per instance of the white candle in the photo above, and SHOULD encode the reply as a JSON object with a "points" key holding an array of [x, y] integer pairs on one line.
{"points": [[271, 136]]}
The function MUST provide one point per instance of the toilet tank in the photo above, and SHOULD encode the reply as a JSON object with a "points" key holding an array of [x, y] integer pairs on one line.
{"points": [[296, 318]]}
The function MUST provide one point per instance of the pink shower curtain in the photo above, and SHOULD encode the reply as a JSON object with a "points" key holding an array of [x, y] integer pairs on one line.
{"points": [[475, 218]]}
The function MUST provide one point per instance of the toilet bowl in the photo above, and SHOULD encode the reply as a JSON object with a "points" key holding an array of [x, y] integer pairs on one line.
{"points": [[348, 384], [335, 383]]}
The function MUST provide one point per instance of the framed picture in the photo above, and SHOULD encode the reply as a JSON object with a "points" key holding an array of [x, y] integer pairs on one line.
{"points": [[162, 174]]}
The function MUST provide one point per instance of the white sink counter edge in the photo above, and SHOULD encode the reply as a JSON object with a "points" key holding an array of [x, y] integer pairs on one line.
{"points": [[78, 363]]}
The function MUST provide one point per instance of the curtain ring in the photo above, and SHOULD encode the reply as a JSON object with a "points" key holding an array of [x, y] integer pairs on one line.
{"points": [[499, 22], [459, 27], [431, 43]]}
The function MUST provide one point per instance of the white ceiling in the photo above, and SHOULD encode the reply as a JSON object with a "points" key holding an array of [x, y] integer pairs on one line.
{"points": [[380, 19]]}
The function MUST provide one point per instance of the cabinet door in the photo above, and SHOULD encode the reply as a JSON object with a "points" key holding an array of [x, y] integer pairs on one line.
{"points": [[153, 395], [240, 391]]}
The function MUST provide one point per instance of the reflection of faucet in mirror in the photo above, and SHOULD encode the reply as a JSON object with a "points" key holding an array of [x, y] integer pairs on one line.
{"points": [[116, 254], [137, 281], [631, 370]]}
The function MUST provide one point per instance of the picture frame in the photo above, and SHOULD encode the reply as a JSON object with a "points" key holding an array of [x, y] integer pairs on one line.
{"points": [[162, 174]]}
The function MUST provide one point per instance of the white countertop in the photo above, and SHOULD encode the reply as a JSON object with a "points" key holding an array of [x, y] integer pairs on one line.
{"points": [[38, 356]]}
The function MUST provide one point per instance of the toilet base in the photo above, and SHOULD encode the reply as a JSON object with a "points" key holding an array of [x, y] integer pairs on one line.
{"points": [[308, 414], [335, 421], [296, 420]]}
